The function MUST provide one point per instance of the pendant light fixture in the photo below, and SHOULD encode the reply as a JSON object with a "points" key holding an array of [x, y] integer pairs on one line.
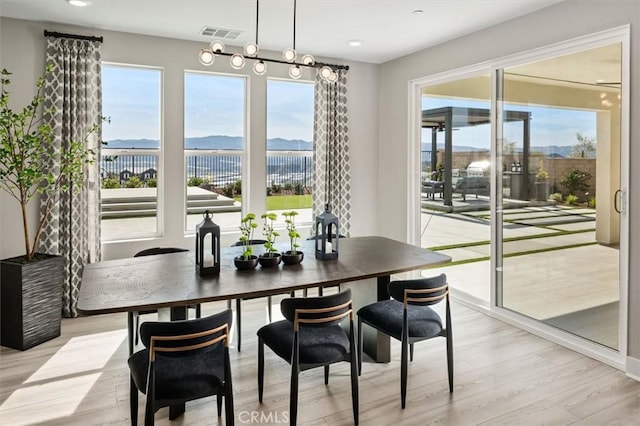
{"points": [[251, 51]]}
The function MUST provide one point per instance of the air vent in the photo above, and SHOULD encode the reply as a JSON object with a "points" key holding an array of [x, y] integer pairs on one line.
{"points": [[220, 33]]}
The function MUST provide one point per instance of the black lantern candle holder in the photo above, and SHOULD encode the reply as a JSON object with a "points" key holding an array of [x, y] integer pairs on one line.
{"points": [[207, 258], [327, 235]]}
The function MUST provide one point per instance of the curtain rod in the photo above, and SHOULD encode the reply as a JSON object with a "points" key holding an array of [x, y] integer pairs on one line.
{"points": [[72, 36]]}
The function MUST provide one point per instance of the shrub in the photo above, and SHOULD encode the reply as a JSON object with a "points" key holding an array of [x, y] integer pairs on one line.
{"points": [[228, 190], [237, 187], [572, 200], [195, 181], [288, 186], [591, 203], [575, 181], [276, 188], [134, 182], [110, 183], [151, 183], [299, 189], [556, 196]]}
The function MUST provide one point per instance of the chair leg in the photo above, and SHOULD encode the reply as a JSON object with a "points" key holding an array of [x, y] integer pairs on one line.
{"points": [[239, 323], [219, 403], [359, 346], [320, 291], [133, 402], [403, 372], [354, 378], [305, 292], [137, 329], [293, 398], [450, 360], [198, 310], [411, 352], [149, 412], [326, 374], [269, 308], [229, 415], [260, 369]]}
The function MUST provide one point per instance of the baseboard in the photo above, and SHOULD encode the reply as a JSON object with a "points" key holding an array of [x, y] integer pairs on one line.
{"points": [[633, 368]]}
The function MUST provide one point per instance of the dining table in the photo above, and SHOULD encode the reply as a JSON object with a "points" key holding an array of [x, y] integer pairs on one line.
{"points": [[364, 264]]}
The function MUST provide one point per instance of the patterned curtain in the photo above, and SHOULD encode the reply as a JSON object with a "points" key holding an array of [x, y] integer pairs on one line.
{"points": [[332, 173], [73, 93]]}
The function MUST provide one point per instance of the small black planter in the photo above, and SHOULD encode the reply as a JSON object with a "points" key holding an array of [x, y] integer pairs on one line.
{"points": [[245, 264], [292, 259], [269, 260], [31, 295]]}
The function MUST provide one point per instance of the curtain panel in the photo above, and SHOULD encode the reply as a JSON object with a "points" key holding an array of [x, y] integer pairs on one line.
{"points": [[73, 95], [332, 172]]}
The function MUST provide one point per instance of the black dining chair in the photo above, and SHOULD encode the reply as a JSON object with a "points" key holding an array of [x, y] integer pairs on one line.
{"points": [[153, 252], [182, 361], [310, 336], [409, 318]]}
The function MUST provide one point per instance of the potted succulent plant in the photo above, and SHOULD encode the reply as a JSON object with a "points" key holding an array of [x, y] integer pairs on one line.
{"points": [[32, 283], [247, 260], [292, 256], [271, 257]]}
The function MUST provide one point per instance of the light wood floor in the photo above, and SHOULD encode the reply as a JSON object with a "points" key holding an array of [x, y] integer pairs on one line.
{"points": [[503, 376]]}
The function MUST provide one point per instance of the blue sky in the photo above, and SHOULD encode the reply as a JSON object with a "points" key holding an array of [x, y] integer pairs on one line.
{"points": [[549, 126], [214, 105]]}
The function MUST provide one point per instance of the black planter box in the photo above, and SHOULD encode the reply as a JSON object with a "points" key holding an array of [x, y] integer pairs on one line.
{"points": [[31, 301]]}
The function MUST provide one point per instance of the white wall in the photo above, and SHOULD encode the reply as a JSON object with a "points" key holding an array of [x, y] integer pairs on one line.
{"points": [[561, 22], [22, 44]]}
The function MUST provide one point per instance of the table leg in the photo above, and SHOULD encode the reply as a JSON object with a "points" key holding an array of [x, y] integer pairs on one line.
{"points": [[130, 326], [375, 344]]}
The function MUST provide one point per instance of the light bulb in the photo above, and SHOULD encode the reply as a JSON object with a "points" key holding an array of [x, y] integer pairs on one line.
{"points": [[259, 68], [217, 46], [206, 57], [308, 60], [295, 72], [251, 49], [289, 55], [325, 71], [237, 61]]}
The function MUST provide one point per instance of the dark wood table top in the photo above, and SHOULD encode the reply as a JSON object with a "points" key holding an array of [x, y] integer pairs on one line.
{"points": [[152, 282]]}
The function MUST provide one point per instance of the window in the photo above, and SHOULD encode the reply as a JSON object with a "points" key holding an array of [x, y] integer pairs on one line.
{"points": [[130, 160], [214, 139], [290, 147]]}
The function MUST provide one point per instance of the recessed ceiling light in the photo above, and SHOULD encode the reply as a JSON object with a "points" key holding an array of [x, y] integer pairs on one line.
{"points": [[355, 43], [79, 3]]}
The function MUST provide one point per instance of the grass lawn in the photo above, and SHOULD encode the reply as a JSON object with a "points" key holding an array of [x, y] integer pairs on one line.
{"points": [[289, 202]]}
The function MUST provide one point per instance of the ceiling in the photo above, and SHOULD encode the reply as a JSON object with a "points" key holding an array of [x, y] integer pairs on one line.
{"points": [[387, 29]]}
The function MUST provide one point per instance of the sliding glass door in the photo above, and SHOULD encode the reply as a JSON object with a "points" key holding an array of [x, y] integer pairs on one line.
{"points": [[559, 123]]}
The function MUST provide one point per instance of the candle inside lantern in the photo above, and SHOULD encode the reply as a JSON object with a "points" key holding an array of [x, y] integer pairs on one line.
{"points": [[328, 247], [208, 261]]}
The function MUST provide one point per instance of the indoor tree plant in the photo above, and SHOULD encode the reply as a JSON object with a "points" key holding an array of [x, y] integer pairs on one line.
{"points": [[32, 283], [247, 260], [271, 257], [292, 256]]}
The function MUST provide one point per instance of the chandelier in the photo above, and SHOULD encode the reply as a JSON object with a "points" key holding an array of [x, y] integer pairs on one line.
{"points": [[251, 51]]}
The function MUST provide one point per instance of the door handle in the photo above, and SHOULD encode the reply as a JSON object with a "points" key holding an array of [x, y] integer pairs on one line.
{"points": [[615, 200]]}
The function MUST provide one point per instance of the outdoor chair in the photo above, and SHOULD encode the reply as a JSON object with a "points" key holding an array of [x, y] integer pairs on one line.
{"points": [[408, 317], [182, 361], [152, 252], [310, 336]]}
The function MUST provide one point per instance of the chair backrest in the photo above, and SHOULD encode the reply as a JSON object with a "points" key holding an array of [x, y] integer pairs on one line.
{"points": [[159, 250], [250, 242], [181, 338], [318, 311], [421, 291]]}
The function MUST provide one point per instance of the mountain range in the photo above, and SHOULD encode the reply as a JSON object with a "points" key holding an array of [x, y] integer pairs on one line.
{"points": [[213, 142]]}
